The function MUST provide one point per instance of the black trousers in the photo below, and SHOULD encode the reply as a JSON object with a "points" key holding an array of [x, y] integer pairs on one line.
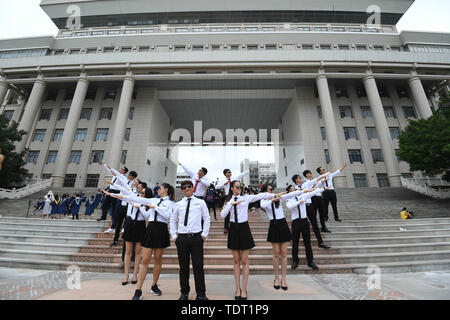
{"points": [[124, 248], [313, 220], [187, 247], [317, 203], [330, 196], [301, 226], [120, 217], [212, 205], [107, 203]]}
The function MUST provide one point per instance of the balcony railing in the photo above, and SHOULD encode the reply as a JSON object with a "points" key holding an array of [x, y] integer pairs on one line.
{"points": [[25, 191]]}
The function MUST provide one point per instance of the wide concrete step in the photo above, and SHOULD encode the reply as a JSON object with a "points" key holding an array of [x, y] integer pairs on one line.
{"points": [[406, 239], [64, 221], [49, 232], [56, 227], [43, 238], [387, 233], [38, 246]]}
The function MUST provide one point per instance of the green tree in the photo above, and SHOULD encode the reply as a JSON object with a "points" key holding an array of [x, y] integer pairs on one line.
{"points": [[13, 173], [425, 143]]}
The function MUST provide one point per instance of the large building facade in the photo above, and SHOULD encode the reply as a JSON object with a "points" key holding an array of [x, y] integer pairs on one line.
{"points": [[121, 77]]}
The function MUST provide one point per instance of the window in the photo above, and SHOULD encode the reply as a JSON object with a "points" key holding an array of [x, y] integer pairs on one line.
{"points": [[383, 92], [271, 47], [180, 48], [114, 32], [325, 46], [80, 134], [407, 175], [9, 114], [165, 171], [402, 93], [378, 48], [252, 47], [321, 29], [234, 29], [39, 135], [51, 157], [74, 51], [268, 28], [216, 29], [147, 31], [106, 113], [197, 48], [389, 112], [127, 134], [361, 47], [101, 134], [304, 29], [395, 132], [343, 47], [355, 155], [215, 47], [75, 157], [339, 29], [346, 112], [285, 171], [324, 135], [91, 93], [130, 31], [45, 114], [198, 29], [123, 157], [51, 95], [69, 95], [92, 181], [46, 176], [341, 92], [319, 112], [361, 92], [409, 112], [251, 29], [63, 114], [284, 153], [366, 112], [307, 47], [383, 180], [57, 136], [144, 49], [86, 113], [69, 180], [360, 180], [126, 49], [33, 157], [91, 50], [96, 156], [234, 47], [350, 133], [398, 157], [371, 133], [110, 93], [355, 30], [327, 156], [97, 33], [131, 114], [108, 50], [377, 155]]}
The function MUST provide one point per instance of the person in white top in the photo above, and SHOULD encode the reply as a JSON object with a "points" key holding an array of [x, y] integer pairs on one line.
{"points": [[240, 239], [279, 233], [134, 232], [330, 195], [311, 184], [189, 233], [199, 181], [300, 224], [109, 203], [225, 185]]}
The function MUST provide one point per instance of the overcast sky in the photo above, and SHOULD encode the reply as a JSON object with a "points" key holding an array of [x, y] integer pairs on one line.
{"points": [[24, 18]]}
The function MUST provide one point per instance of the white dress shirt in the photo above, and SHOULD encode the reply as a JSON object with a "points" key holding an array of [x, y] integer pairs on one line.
{"points": [[329, 182], [132, 211], [120, 180], [309, 184], [197, 211], [204, 183], [163, 207], [242, 207], [226, 186], [279, 213], [295, 204]]}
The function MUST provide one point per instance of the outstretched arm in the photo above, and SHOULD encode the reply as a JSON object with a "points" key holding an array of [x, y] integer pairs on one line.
{"points": [[188, 171]]}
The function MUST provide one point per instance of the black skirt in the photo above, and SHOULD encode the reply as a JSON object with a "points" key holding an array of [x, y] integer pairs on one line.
{"points": [[157, 236], [134, 231], [279, 231], [240, 236]]}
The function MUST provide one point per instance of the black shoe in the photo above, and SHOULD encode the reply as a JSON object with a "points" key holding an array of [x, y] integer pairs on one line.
{"points": [[337, 219], [294, 265], [137, 295], [323, 245], [326, 218], [201, 298], [284, 288], [184, 297], [155, 290], [100, 219], [133, 281], [325, 230], [124, 283], [276, 287], [313, 265], [115, 243]]}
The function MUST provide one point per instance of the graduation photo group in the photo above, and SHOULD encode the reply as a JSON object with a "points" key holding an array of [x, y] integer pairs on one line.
{"points": [[152, 220]]}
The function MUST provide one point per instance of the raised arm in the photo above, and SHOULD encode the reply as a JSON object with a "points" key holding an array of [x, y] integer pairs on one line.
{"points": [[265, 204], [165, 209], [221, 184], [312, 194], [188, 171], [260, 196], [241, 175], [289, 195]]}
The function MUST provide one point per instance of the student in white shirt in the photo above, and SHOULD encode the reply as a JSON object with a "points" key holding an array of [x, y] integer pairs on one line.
{"points": [[279, 233], [199, 180], [330, 195], [225, 185], [240, 239], [109, 203], [189, 227], [134, 232]]}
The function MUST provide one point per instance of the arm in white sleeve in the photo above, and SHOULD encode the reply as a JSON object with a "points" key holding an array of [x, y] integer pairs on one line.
{"points": [[206, 219], [125, 190], [292, 203], [241, 175], [221, 184], [312, 194], [188, 171], [165, 209], [260, 196], [205, 181], [291, 195], [334, 174], [145, 212], [173, 222], [265, 204], [226, 209], [144, 201]]}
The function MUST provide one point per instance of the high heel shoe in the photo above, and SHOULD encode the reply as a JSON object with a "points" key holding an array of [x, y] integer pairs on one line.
{"points": [[124, 283], [243, 298], [237, 297], [134, 282], [276, 287], [284, 288]]}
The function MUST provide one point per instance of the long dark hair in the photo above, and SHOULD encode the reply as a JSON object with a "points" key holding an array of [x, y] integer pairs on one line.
{"points": [[264, 189], [148, 193], [230, 193], [170, 191]]}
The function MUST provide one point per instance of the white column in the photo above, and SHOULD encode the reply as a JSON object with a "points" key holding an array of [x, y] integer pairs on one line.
{"points": [[69, 132], [31, 110], [3, 89], [121, 121], [420, 98], [330, 128], [383, 133]]}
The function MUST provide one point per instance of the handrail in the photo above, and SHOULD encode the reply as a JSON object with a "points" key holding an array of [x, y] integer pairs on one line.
{"points": [[426, 188], [25, 191]]}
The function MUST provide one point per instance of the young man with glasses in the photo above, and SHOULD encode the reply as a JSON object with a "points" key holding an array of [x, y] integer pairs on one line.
{"points": [[199, 181]]}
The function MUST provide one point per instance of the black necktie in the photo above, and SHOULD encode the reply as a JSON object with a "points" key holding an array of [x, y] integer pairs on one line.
{"points": [[156, 213], [235, 211], [187, 212], [273, 211], [326, 182], [114, 180], [298, 207]]}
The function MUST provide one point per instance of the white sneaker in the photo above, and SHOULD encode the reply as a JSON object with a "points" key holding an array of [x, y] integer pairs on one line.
{"points": [[110, 230]]}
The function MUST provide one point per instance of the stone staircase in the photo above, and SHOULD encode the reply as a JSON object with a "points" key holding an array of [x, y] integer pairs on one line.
{"points": [[369, 235]]}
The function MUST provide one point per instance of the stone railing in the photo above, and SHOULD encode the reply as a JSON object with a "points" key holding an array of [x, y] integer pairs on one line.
{"points": [[432, 187], [25, 191]]}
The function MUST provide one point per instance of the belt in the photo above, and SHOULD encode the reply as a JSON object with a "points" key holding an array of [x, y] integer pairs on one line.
{"points": [[113, 191], [200, 197], [189, 235], [301, 219]]}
